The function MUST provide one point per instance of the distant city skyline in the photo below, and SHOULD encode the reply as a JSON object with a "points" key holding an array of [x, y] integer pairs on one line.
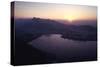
{"points": [[54, 11]]}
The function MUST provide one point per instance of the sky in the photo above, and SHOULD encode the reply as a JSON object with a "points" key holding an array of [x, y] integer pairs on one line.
{"points": [[54, 11]]}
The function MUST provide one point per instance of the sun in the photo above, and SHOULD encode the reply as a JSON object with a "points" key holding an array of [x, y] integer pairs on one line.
{"points": [[69, 18]]}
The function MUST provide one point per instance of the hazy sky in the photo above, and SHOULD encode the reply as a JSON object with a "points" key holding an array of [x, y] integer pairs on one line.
{"points": [[54, 11]]}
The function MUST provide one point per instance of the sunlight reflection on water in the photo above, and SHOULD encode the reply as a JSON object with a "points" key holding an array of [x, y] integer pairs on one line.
{"points": [[56, 45]]}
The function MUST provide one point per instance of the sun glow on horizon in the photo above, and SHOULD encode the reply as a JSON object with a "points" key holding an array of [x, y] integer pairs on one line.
{"points": [[69, 18]]}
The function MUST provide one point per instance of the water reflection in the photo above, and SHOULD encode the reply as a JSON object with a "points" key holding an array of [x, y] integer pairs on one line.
{"points": [[60, 47]]}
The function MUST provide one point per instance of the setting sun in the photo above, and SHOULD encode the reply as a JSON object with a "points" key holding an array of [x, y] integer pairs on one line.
{"points": [[69, 18]]}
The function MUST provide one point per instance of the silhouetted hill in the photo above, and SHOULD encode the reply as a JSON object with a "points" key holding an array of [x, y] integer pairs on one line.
{"points": [[48, 26], [86, 22]]}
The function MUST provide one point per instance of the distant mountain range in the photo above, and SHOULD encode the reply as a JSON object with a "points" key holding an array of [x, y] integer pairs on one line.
{"points": [[79, 22]]}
